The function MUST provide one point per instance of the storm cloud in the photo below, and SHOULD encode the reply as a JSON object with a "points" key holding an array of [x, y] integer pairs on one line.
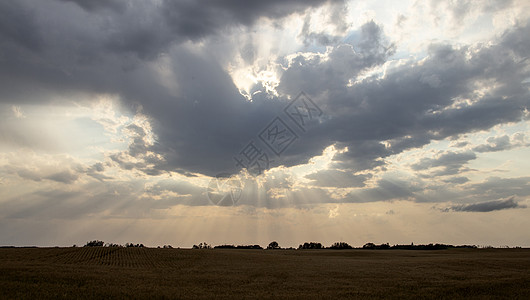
{"points": [[203, 125]]}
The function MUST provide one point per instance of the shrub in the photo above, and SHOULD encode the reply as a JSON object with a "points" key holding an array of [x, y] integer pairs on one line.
{"points": [[340, 245], [311, 245], [95, 243]]}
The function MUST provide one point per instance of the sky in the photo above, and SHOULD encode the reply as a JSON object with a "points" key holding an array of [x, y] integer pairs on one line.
{"points": [[243, 122]]}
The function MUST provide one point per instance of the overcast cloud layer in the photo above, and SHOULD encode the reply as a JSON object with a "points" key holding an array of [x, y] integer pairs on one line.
{"points": [[128, 109]]}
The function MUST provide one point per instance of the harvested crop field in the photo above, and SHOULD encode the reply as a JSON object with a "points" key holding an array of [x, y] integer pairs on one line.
{"points": [[98, 272]]}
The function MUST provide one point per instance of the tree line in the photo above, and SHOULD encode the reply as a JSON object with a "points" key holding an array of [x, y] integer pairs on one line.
{"points": [[307, 245], [98, 243]]}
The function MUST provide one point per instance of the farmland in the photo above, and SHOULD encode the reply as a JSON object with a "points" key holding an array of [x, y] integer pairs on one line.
{"points": [[102, 272]]}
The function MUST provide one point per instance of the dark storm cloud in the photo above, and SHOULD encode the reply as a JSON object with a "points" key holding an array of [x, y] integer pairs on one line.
{"points": [[146, 29], [487, 206], [316, 74], [95, 48], [197, 19], [93, 5], [413, 104], [17, 25], [58, 46], [105, 51], [209, 122]]}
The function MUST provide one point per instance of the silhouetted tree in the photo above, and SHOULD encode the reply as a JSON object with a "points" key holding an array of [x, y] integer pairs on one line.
{"points": [[95, 243], [311, 245], [225, 247], [273, 245], [340, 245], [369, 246], [202, 246], [249, 247], [384, 246]]}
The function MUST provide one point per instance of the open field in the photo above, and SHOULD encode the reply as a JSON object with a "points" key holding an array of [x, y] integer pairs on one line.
{"points": [[97, 272]]}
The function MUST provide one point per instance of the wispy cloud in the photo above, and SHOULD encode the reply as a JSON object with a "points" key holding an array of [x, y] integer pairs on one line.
{"points": [[486, 206]]}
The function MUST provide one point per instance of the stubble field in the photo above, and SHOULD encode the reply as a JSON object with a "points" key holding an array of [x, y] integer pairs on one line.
{"points": [[97, 272]]}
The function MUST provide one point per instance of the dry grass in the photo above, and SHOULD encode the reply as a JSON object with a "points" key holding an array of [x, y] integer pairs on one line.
{"points": [[173, 273]]}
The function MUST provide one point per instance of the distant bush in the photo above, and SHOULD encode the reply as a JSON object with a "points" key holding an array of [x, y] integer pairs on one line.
{"points": [[131, 245], [95, 243], [415, 247], [374, 246], [369, 246], [238, 247], [273, 245], [249, 247], [340, 245], [311, 245], [469, 246], [202, 246], [423, 247], [225, 247]]}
